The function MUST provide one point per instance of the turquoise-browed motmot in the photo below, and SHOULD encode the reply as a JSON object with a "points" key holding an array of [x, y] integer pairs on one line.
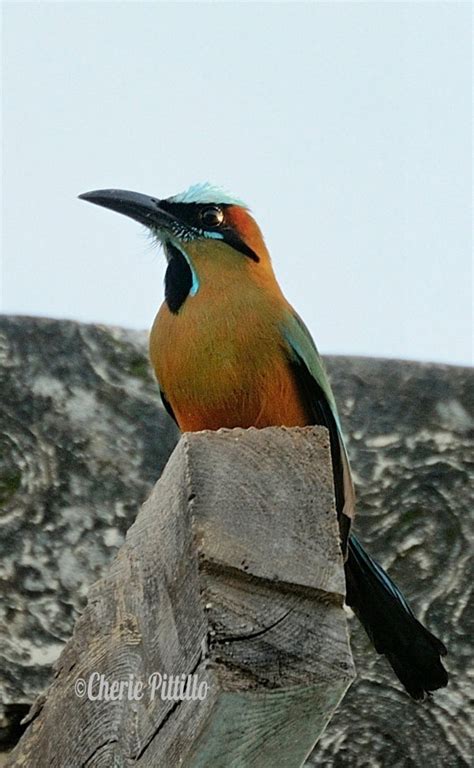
{"points": [[229, 351]]}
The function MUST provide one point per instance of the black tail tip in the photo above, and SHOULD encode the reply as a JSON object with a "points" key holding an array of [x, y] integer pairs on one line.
{"points": [[412, 650], [420, 682]]}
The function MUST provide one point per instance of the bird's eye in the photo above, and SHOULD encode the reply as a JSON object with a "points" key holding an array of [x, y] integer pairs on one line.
{"points": [[212, 217]]}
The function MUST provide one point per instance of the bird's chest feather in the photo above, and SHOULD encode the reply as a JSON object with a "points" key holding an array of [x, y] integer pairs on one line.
{"points": [[221, 362]]}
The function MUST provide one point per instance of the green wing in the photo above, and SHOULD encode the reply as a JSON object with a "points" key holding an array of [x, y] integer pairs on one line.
{"points": [[304, 349], [315, 390]]}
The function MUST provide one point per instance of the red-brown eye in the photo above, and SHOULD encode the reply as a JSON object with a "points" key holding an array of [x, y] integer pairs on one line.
{"points": [[212, 217]]}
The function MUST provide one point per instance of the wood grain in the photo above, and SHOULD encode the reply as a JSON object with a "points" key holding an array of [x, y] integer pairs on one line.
{"points": [[209, 583]]}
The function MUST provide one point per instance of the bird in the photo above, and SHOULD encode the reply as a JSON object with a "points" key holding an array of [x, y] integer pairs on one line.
{"points": [[229, 350]]}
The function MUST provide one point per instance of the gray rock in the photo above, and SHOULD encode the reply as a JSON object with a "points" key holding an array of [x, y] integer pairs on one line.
{"points": [[83, 440], [410, 436]]}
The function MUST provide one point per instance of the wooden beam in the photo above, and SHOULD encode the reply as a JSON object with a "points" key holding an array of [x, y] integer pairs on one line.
{"points": [[231, 577]]}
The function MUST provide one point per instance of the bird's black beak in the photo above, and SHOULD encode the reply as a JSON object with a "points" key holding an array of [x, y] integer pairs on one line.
{"points": [[144, 209]]}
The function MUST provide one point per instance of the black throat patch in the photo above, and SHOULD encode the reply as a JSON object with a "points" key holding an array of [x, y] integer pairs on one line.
{"points": [[178, 279]]}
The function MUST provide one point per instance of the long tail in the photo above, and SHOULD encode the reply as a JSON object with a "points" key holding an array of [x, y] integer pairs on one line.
{"points": [[413, 652]]}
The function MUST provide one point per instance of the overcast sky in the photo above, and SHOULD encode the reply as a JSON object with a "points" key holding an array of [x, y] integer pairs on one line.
{"points": [[345, 126]]}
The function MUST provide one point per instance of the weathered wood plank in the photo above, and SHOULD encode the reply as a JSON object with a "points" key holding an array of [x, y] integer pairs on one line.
{"points": [[231, 572]]}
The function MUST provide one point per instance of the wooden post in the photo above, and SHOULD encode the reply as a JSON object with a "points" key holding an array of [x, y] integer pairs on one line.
{"points": [[232, 575]]}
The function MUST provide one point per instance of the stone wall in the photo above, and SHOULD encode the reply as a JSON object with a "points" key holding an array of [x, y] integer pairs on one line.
{"points": [[83, 438]]}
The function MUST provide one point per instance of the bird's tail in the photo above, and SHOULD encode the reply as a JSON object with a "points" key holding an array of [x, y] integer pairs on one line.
{"points": [[413, 652]]}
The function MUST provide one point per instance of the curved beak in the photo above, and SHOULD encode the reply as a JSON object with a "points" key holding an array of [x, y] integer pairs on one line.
{"points": [[142, 208]]}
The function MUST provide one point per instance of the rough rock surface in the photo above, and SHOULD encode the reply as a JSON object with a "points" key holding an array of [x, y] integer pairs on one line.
{"points": [[82, 440], [410, 429]]}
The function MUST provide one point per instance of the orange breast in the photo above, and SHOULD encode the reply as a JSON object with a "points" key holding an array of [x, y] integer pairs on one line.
{"points": [[270, 400], [221, 362]]}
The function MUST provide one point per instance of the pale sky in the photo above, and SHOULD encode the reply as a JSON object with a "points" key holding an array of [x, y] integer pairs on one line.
{"points": [[345, 126]]}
